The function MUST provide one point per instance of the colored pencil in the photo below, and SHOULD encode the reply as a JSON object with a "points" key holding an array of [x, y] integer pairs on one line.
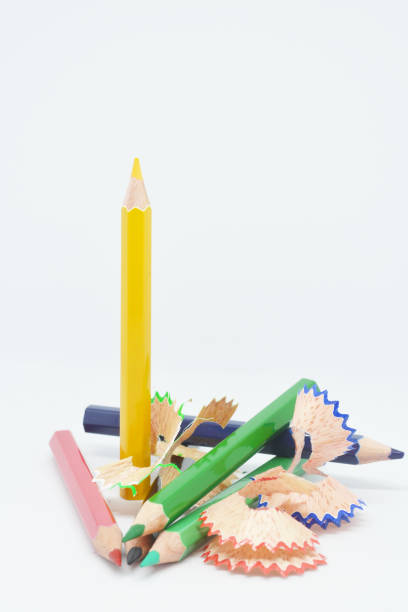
{"points": [[93, 509], [369, 451], [197, 480], [185, 535], [105, 420], [137, 549], [136, 328]]}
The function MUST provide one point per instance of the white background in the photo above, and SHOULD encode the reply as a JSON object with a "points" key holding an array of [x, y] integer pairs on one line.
{"points": [[273, 141]]}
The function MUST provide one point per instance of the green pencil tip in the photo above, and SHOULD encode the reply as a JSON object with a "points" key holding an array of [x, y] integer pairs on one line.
{"points": [[152, 558], [133, 532]]}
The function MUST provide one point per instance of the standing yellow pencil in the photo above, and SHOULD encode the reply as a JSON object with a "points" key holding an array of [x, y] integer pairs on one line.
{"points": [[136, 328]]}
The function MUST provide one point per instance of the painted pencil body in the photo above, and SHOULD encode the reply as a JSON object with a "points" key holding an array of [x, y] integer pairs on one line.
{"points": [[135, 329], [185, 535], [192, 484], [93, 509], [105, 420]]}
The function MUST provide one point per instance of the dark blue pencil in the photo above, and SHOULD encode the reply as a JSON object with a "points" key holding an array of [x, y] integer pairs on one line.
{"points": [[105, 420]]}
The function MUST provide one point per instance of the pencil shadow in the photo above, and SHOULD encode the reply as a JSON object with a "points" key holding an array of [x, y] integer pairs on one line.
{"points": [[149, 572], [157, 569], [357, 483], [258, 573]]}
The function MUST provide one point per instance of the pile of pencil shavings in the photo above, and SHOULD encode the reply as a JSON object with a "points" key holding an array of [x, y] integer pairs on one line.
{"points": [[264, 524], [256, 527]]}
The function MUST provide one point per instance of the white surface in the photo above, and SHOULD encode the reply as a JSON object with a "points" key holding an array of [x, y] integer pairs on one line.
{"points": [[273, 143]]}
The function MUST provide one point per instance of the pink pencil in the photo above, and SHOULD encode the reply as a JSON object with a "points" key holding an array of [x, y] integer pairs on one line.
{"points": [[95, 513]]}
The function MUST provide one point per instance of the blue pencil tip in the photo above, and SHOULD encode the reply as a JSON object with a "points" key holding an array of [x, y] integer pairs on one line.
{"points": [[396, 454]]}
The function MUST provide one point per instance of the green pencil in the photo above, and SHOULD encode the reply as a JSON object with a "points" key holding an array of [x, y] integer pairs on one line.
{"points": [[185, 535], [192, 484]]}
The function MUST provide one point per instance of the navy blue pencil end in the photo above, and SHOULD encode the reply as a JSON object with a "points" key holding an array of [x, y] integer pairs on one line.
{"points": [[396, 454]]}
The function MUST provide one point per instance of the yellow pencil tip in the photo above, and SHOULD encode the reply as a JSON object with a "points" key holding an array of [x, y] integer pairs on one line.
{"points": [[136, 170]]}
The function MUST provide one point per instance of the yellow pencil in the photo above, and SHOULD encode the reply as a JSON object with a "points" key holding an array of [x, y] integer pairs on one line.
{"points": [[136, 328]]}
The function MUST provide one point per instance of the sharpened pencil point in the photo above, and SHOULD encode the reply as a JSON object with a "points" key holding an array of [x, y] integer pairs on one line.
{"points": [[133, 532], [136, 170], [134, 554], [152, 558], [396, 454], [116, 556]]}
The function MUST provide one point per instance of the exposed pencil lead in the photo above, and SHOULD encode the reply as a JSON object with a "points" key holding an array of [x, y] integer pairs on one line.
{"points": [[116, 556], [134, 554], [152, 558], [136, 170]]}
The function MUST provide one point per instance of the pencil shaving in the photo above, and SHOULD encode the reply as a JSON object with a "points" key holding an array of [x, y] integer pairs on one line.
{"points": [[275, 481], [165, 424], [169, 473], [310, 503], [330, 502], [267, 539], [232, 520], [249, 560], [189, 452], [122, 473], [219, 412], [320, 418]]}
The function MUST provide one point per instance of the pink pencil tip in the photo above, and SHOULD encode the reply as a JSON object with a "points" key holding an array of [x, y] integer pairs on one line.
{"points": [[116, 556]]}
